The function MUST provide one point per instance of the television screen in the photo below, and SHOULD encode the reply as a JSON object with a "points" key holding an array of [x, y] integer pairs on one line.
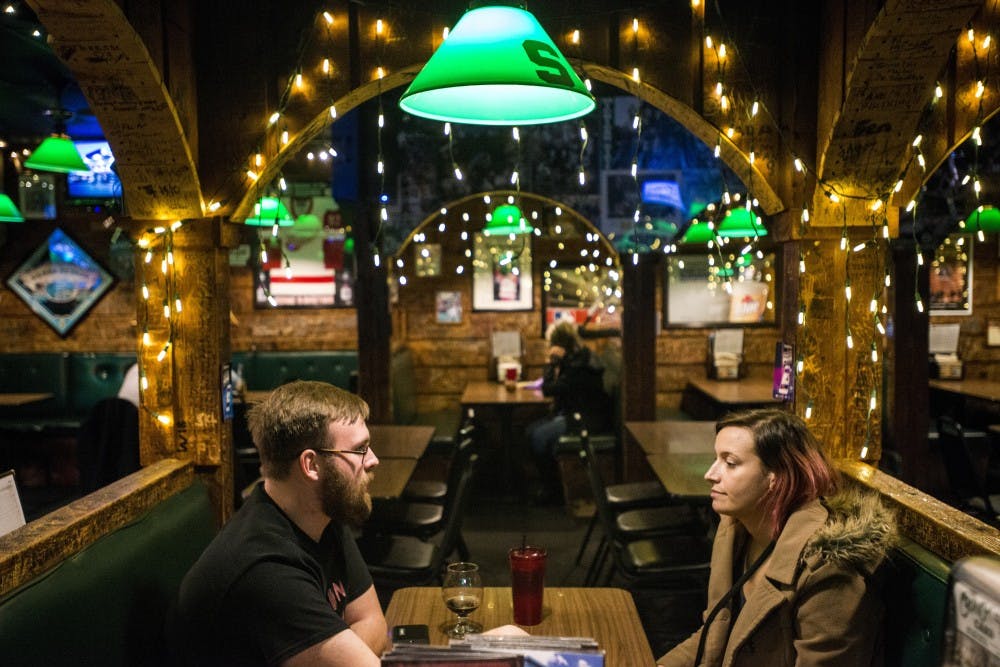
{"points": [[667, 193], [101, 182]]}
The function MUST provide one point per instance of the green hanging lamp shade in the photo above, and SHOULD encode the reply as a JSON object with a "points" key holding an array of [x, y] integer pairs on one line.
{"points": [[740, 222], [9, 212], [57, 153], [698, 232], [985, 219], [269, 211], [497, 67], [507, 219]]}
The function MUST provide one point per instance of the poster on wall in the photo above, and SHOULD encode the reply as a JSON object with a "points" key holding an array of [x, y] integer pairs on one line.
{"points": [[449, 307], [951, 277], [309, 264], [501, 277], [60, 282]]}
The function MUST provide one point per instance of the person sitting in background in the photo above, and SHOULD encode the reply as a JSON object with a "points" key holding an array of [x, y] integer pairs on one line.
{"points": [[283, 583], [574, 378], [793, 578]]}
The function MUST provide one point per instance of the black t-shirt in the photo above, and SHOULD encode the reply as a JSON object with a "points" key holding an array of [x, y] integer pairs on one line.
{"points": [[263, 590]]}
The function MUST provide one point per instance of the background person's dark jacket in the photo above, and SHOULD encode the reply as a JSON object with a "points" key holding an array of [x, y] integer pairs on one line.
{"points": [[576, 384]]}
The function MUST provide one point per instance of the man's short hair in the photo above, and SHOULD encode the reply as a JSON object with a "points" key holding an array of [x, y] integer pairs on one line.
{"points": [[296, 416]]}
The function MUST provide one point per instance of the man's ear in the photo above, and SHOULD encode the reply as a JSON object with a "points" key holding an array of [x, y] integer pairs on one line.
{"points": [[308, 464]]}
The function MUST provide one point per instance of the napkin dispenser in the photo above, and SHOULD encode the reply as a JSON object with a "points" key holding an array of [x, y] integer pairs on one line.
{"points": [[505, 363], [725, 361], [946, 367], [943, 348]]}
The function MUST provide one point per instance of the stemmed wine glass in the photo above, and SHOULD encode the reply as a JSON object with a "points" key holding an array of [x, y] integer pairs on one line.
{"points": [[462, 592]]}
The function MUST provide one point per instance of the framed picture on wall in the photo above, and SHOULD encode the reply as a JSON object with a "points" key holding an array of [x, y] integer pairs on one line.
{"points": [[60, 282], [708, 289], [501, 275], [588, 295], [448, 306], [951, 277]]}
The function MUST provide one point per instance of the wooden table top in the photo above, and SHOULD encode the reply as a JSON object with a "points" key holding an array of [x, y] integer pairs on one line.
{"points": [[750, 391], [985, 389], [683, 474], [255, 395], [606, 614], [495, 393], [407, 442], [22, 398], [391, 477], [673, 437]]}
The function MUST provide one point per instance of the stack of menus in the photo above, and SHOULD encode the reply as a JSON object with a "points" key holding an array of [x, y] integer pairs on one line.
{"points": [[500, 651]]}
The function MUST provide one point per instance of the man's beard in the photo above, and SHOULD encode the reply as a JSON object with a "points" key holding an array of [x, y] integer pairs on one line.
{"points": [[345, 499]]}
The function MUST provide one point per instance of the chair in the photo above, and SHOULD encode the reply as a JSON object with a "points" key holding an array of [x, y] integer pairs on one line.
{"points": [[108, 443], [967, 483], [435, 489], [409, 561], [664, 545], [620, 497], [423, 519]]}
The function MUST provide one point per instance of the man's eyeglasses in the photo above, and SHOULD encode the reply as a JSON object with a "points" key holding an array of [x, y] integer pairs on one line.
{"points": [[360, 450]]}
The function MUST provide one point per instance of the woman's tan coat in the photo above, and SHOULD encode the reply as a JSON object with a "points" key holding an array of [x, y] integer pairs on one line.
{"points": [[816, 604]]}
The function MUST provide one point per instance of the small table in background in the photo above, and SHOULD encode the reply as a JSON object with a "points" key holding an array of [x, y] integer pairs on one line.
{"points": [[711, 399], [606, 614], [15, 399], [390, 441], [391, 477], [678, 452], [494, 395]]}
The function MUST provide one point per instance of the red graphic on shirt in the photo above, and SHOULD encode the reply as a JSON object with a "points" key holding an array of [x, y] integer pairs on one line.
{"points": [[336, 594]]}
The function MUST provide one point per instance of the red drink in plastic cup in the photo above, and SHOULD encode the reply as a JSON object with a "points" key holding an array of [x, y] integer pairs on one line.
{"points": [[527, 577]]}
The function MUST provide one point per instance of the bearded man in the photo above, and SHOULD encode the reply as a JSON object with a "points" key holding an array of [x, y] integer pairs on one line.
{"points": [[283, 583]]}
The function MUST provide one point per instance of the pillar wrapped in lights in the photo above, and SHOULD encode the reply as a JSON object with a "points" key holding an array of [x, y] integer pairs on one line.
{"points": [[497, 67]]}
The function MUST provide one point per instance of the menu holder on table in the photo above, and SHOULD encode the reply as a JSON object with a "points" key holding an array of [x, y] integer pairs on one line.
{"points": [[11, 513]]}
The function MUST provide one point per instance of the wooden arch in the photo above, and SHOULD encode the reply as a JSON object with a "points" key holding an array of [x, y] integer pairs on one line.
{"points": [[117, 76], [730, 154], [542, 200], [889, 86]]}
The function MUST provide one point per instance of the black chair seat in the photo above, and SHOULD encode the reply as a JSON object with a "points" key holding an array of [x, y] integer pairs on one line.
{"points": [[398, 556], [634, 494], [407, 518], [658, 557], [426, 489], [669, 519]]}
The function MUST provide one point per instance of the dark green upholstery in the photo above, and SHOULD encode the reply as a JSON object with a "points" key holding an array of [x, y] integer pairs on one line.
{"points": [[268, 370], [915, 597], [93, 376], [108, 604], [404, 400]]}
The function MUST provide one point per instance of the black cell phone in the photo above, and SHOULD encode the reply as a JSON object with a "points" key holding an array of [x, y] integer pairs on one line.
{"points": [[410, 634]]}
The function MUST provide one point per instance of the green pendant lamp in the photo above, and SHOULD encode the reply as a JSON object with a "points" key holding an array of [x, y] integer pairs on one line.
{"points": [[740, 223], [497, 67], [506, 220], [984, 220], [269, 211], [698, 232], [57, 153], [9, 212]]}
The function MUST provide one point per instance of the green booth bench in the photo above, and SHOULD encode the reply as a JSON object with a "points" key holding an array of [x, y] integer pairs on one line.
{"points": [[119, 556], [269, 369], [76, 380]]}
